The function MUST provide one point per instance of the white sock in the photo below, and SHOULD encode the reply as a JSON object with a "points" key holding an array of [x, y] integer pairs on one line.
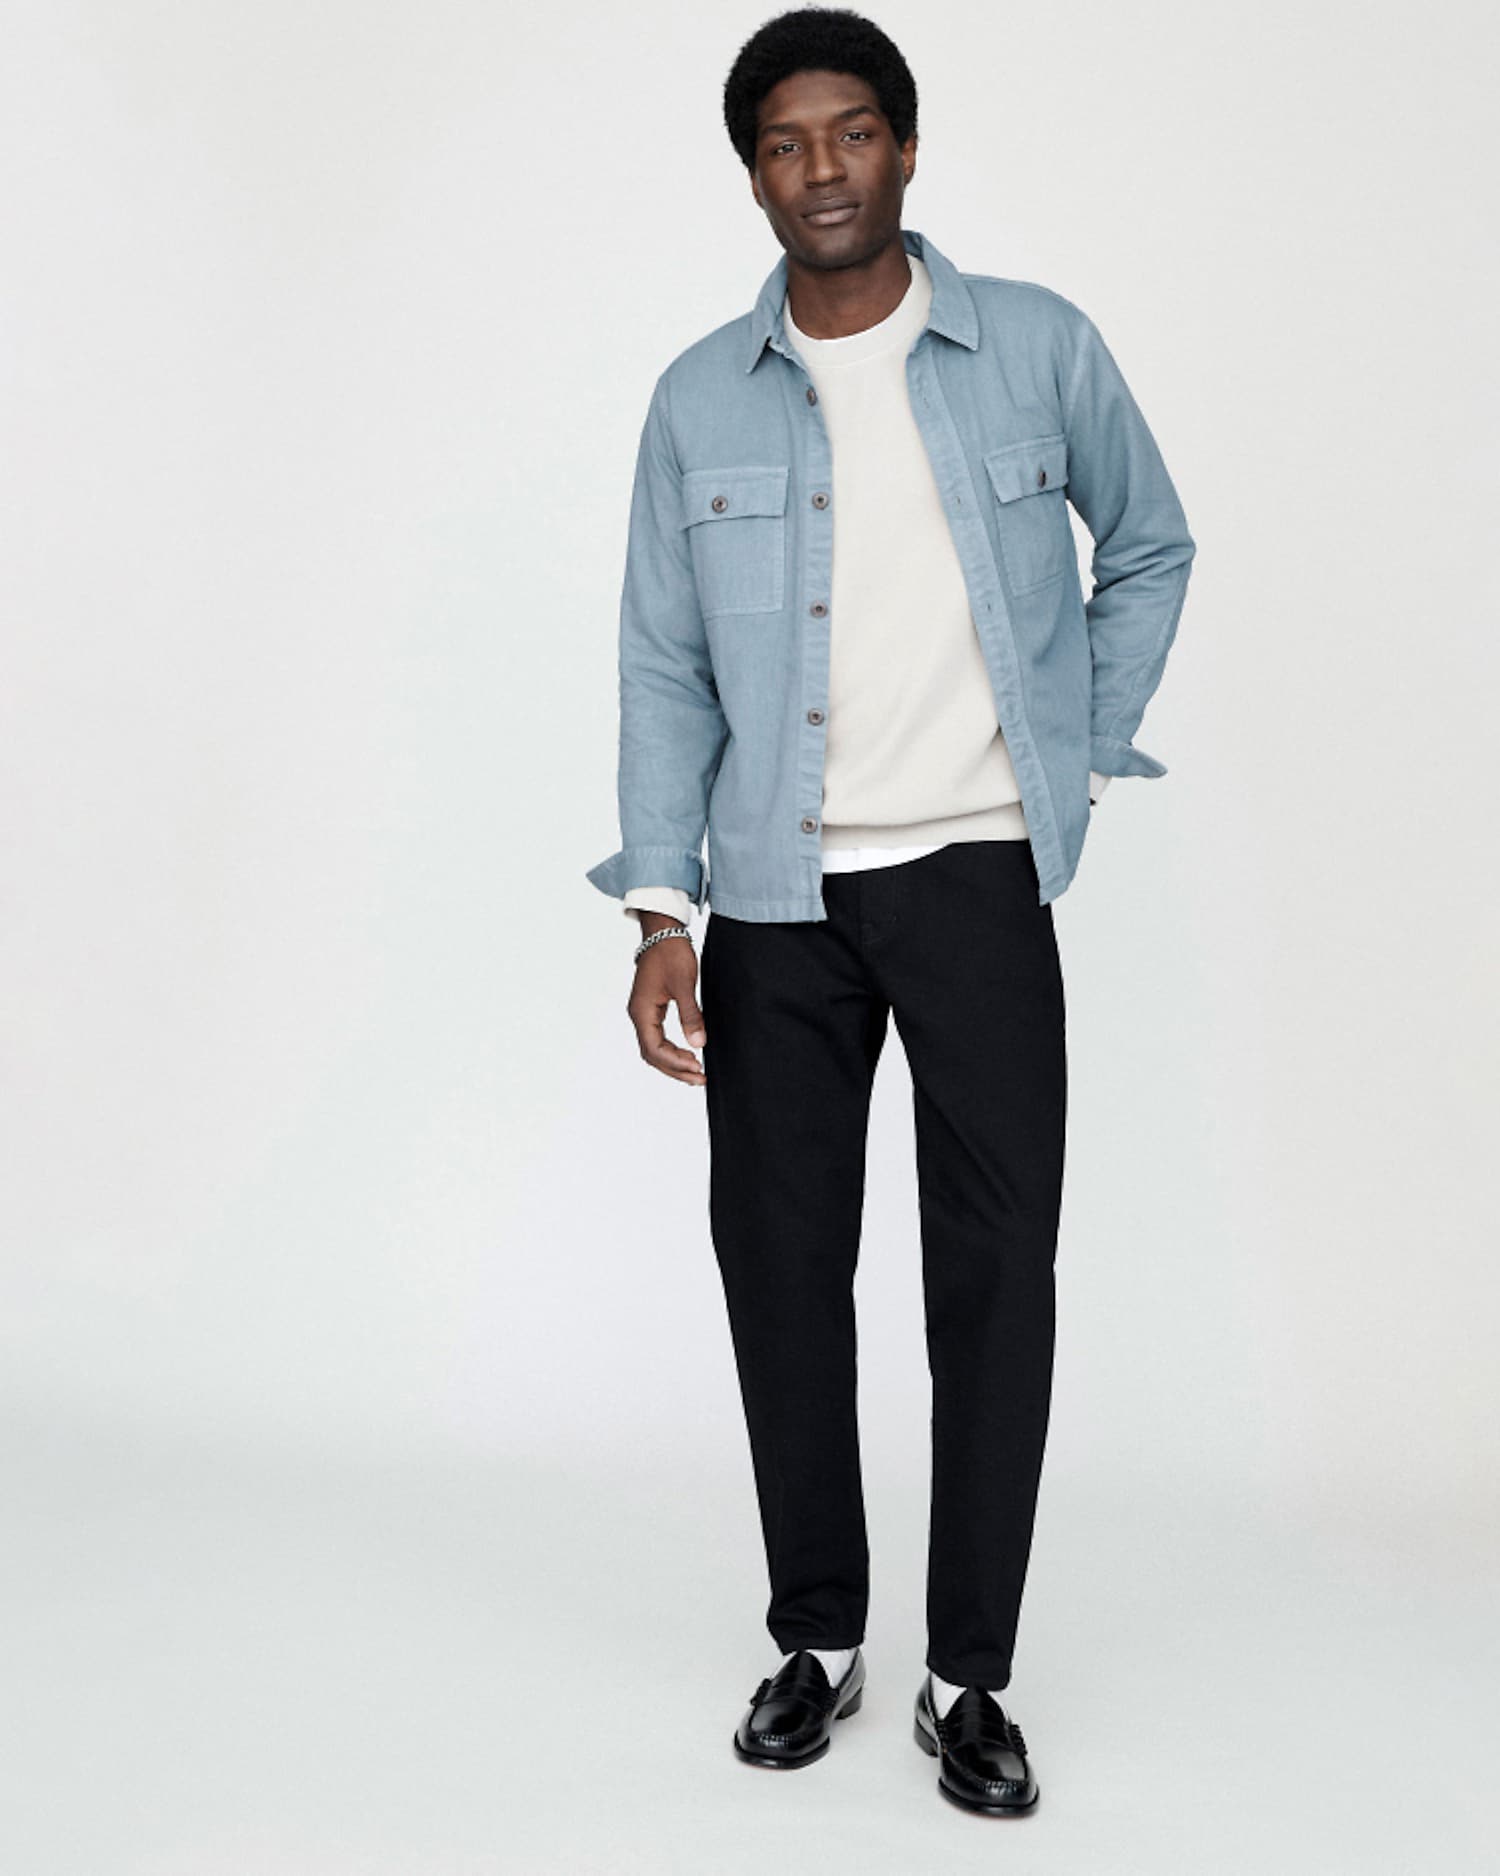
{"points": [[836, 1664], [944, 1693]]}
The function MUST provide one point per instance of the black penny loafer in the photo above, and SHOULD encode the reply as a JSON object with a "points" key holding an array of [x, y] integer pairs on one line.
{"points": [[981, 1753], [790, 1718]]}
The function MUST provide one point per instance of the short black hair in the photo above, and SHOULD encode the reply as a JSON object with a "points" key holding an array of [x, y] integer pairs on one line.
{"points": [[816, 39]]}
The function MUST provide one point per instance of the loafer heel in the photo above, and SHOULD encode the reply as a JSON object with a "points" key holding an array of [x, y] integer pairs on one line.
{"points": [[923, 1741], [854, 1705]]}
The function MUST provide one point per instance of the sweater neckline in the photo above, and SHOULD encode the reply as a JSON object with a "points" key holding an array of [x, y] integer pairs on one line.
{"points": [[899, 327]]}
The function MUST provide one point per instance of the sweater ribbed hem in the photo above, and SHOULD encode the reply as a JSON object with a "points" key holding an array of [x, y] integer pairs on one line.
{"points": [[1007, 822]]}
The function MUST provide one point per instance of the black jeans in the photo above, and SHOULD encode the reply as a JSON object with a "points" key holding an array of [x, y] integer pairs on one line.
{"points": [[957, 948]]}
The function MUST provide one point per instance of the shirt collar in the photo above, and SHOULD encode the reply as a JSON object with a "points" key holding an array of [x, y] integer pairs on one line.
{"points": [[951, 312]]}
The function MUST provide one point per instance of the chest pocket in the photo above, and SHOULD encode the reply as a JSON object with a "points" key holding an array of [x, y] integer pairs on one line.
{"points": [[736, 525], [1036, 538]]}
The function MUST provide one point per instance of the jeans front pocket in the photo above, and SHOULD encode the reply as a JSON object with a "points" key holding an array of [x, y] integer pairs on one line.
{"points": [[1031, 509], [736, 524]]}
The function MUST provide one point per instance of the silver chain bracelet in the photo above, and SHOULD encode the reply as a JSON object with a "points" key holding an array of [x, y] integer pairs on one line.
{"points": [[667, 931]]}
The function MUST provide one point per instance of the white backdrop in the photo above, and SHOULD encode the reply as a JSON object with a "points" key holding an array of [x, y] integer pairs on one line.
{"points": [[374, 1458]]}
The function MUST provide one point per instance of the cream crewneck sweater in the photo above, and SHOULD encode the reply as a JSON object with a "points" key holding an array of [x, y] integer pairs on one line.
{"points": [[915, 757]]}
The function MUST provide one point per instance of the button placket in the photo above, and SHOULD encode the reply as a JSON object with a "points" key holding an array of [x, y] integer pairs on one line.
{"points": [[812, 761]]}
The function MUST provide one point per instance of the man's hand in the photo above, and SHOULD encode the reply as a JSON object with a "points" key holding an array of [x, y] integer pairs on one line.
{"points": [[668, 973]]}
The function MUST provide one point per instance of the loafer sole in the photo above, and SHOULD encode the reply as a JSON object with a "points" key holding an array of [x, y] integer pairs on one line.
{"points": [[777, 1763]]}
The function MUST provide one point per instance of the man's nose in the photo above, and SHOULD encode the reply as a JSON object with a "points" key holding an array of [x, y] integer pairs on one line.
{"points": [[824, 164]]}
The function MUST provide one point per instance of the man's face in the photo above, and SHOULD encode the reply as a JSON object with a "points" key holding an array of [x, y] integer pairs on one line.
{"points": [[823, 140]]}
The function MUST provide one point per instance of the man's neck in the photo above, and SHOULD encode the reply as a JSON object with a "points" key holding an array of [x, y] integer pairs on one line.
{"points": [[832, 303]]}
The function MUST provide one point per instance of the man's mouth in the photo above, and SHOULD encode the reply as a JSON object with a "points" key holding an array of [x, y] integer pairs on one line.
{"points": [[830, 214]]}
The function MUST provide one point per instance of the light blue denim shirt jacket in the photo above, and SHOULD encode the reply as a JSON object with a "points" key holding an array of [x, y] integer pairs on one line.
{"points": [[725, 617]]}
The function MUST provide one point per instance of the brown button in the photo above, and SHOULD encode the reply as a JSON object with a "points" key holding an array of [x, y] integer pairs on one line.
{"points": [[815, 716], [719, 504], [812, 396], [1041, 478], [817, 609], [809, 825], [820, 500]]}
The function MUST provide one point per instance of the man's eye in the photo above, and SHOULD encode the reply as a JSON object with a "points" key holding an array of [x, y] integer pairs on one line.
{"points": [[857, 133]]}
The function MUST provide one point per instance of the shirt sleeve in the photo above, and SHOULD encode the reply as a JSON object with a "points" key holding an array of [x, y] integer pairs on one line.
{"points": [[672, 728], [669, 899], [1142, 553]]}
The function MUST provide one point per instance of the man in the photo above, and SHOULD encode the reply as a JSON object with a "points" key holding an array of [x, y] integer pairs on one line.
{"points": [[854, 650]]}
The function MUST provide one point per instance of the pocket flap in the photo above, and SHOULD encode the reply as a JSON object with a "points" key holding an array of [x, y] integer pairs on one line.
{"points": [[721, 494], [1028, 468]]}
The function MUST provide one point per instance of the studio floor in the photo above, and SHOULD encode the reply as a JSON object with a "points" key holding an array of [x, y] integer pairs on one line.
{"points": [[223, 1661]]}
